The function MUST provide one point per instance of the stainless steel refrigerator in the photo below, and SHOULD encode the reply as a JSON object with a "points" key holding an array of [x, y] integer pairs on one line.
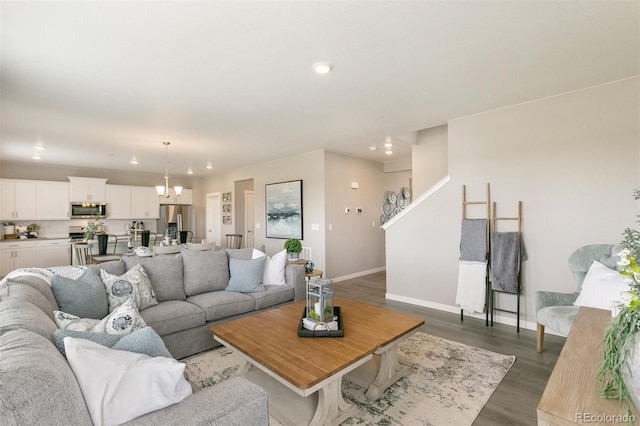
{"points": [[175, 218]]}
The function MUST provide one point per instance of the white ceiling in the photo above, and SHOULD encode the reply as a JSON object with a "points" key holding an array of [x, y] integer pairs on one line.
{"points": [[231, 83]]}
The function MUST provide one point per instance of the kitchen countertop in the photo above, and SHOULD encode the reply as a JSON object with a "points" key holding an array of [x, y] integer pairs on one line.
{"points": [[33, 239]]}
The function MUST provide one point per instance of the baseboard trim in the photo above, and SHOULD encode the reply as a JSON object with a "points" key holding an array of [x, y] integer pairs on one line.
{"points": [[358, 274], [498, 317]]}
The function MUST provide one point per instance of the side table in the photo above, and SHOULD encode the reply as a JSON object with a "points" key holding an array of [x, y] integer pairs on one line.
{"points": [[312, 274]]}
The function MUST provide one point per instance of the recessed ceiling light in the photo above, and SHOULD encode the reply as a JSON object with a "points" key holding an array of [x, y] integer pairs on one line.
{"points": [[40, 147], [36, 156], [189, 172], [209, 166], [372, 148], [388, 145], [322, 67], [388, 152], [134, 161]]}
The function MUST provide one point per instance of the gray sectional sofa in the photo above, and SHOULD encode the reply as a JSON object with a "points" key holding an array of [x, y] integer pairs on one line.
{"points": [[38, 386]]}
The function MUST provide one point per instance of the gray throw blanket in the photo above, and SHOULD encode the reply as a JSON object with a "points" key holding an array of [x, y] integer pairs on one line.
{"points": [[473, 240], [507, 251]]}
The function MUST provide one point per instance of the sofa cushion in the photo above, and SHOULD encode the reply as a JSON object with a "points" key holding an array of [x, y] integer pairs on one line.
{"points": [[115, 267], [243, 254], [172, 316], [133, 285], [204, 271], [165, 273], [39, 284], [37, 385], [85, 297], [22, 315], [273, 295], [246, 276], [142, 341], [223, 304], [21, 291], [119, 386]]}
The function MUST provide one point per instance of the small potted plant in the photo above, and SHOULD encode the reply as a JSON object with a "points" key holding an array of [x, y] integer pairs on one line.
{"points": [[33, 230], [94, 226], [293, 246]]}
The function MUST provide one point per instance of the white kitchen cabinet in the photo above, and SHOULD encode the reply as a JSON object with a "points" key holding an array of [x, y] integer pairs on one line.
{"points": [[53, 253], [87, 189], [118, 202], [52, 200], [145, 203], [17, 199], [18, 254], [185, 198]]}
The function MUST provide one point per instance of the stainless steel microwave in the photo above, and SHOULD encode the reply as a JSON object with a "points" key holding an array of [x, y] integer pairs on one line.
{"points": [[88, 209]]}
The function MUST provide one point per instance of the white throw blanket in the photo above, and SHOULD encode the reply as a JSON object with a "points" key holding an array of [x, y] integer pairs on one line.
{"points": [[472, 289], [70, 271]]}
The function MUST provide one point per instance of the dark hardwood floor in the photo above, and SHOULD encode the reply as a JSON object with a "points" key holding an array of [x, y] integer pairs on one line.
{"points": [[515, 400]]}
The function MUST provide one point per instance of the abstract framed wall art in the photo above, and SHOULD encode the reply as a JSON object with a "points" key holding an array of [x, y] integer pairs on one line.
{"points": [[283, 205]]}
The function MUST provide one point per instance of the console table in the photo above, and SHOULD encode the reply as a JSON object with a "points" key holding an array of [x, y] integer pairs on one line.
{"points": [[571, 395]]}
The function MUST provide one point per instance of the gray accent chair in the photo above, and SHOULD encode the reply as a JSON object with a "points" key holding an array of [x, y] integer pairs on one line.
{"points": [[556, 310]]}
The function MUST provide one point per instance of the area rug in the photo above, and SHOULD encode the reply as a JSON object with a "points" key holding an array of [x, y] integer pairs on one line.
{"points": [[449, 382]]}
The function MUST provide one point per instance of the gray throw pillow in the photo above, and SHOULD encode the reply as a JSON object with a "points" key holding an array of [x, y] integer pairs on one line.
{"points": [[142, 341], [246, 275], [204, 271], [85, 297]]}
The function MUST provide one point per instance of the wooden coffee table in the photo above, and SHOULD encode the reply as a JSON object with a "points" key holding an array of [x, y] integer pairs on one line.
{"points": [[303, 376]]}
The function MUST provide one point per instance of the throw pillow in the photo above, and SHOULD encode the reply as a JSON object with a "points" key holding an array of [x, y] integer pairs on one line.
{"points": [[85, 297], [274, 269], [143, 341], [246, 275], [133, 284], [73, 322], [123, 320], [602, 287], [119, 386]]}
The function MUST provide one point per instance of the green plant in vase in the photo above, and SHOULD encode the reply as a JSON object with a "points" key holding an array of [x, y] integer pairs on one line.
{"points": [[614, 374], [94, 226], [293, 246]]}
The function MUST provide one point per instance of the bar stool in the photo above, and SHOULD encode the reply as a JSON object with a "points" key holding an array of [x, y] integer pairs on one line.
{"points": [[234, 241]]}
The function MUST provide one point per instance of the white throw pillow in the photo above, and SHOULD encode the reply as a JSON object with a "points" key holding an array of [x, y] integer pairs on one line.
{"points": [[602, 287], [119, 386], [273, 267], [67, 321], [124, 320]]}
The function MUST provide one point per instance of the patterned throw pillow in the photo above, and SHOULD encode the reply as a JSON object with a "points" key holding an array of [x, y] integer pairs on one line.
{"points": [[123, 320], [72, 322], [133, 284]]}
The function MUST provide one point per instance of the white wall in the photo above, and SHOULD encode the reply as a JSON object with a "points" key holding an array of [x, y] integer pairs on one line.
{"points": [[355, 243], [429, 158], [308, 167], [573, 162]]}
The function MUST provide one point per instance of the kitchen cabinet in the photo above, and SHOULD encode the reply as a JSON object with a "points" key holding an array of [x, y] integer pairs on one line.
{"points": [[52, 200], [185, 198], [17, 199], [118, 202], [53, 253], [145, 203], [87, 189], [14, 255]]}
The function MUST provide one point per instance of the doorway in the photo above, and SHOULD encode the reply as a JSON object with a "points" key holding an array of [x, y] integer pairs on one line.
{"points": [[248, 219], [212, 222]]}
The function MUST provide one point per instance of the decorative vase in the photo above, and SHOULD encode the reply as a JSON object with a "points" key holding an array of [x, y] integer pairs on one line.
{"points": [[103, 239], [293, 256], [631, 370], [308, 267], [145, 238]]}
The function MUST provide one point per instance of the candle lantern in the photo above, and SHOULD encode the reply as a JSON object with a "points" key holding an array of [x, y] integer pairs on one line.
{"points": [[320, 300]]}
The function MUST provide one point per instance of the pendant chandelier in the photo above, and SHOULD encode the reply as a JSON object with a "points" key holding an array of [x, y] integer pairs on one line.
{"points": [[163, 191]]}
